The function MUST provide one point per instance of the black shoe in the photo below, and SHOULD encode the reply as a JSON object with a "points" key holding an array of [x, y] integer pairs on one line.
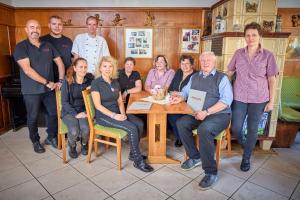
{"points": [[178, 143], [52, 142], [84, 149], [208, 181], [143, 166], [38, 148], [72, 152], [245, 165], [130, 157]]}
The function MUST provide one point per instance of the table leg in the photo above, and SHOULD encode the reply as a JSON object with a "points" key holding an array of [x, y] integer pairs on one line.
{"points": [[157, 139]]}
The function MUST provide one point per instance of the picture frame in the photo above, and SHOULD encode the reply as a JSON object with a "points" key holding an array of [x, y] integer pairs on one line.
{"points": [[190, 40], [293, 49], [138, 42]]}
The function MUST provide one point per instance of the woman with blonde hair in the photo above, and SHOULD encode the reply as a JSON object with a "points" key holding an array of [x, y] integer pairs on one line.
{"points": [[73, 110], [110, 110]]}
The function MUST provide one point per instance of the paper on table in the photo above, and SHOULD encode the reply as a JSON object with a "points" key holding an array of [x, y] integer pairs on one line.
{"points": [[166, 100], [139, 105]]}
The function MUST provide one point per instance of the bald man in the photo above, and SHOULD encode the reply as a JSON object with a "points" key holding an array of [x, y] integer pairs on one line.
{"points": [[213, 118], [35, 59]]}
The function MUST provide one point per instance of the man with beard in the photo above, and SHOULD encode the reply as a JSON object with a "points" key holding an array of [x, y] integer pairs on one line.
{"points": [[61, 43], [35, 59]]}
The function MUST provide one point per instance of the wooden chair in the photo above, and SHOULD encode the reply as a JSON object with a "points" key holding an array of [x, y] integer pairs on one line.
{"points": [[219, 139], [62, 128], [96, 129]]}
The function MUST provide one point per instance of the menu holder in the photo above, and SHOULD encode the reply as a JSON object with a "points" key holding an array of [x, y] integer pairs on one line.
{"points": [[140, 105], [196, 99]]}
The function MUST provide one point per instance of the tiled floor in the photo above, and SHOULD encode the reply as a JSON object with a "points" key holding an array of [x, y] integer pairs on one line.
{"points": [[27, 175]]}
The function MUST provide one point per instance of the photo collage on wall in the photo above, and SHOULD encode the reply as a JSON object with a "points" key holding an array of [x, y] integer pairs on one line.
{"points": [[138, 43]]}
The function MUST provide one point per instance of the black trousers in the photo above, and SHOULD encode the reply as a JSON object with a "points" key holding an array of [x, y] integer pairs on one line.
{"points": [[207, 130], [33, 102], [134, 127]]}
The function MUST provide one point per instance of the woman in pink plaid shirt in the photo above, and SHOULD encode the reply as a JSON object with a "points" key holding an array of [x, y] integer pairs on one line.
{"points": [[253, 89]]}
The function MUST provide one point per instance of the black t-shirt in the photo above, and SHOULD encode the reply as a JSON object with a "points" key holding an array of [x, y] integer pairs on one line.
{"points": [[41, 60], [64, 46], [71, 96], [109, 94], [126, 82], [177, 83]]}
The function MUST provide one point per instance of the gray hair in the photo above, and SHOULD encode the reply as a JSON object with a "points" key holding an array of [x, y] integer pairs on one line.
{"points": [[208, 53]]}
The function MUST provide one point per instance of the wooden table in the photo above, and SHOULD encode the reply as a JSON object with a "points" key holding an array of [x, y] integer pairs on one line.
{"points": [[157, 126]]}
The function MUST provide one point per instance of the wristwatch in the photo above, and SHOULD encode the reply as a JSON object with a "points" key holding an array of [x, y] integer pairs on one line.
{"points": [[47, 82], [61, 81]]}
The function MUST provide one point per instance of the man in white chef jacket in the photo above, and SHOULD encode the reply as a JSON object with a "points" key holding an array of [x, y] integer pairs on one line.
{"points": [[90, 46]]}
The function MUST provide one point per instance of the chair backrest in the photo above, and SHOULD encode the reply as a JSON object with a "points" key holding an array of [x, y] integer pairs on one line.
{"points": [[62, 128], [89, 106]]}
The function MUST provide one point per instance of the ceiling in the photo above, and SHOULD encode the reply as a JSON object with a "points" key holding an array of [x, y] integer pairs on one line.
{"points": [[129, 3]]}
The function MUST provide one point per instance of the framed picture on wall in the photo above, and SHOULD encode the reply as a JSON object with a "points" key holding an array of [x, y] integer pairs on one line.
{"points": [[293, 49], [138, 42], [190, 40]]}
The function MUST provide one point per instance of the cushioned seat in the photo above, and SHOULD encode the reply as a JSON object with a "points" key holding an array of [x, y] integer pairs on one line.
{"points": [[289, 99], [289, 91], [289, 114], [118, 132], [218, 137]]}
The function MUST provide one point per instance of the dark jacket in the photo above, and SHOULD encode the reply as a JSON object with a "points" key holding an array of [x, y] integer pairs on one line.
{"points": [[177, 83], [71, 96]]}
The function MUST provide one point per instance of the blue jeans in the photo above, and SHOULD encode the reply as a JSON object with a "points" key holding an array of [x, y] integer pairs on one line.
{"points": [[33, 103], [172, 120], [239, 112]]}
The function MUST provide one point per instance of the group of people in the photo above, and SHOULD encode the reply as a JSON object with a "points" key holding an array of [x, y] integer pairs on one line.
{"points": [[253, 68]]}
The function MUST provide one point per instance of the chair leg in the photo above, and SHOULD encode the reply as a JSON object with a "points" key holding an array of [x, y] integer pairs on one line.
{"points": [[119, 150], [63, 146], [96, 149], [107, 145], [228, 137], [59, 145], [218, 152], [91, 141]]}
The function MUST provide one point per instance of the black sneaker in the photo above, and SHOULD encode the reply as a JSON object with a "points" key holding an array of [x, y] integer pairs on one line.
{"points": [[52, 142], [38, 148], [143, 166], [72, 152], [190, 164], [208, 181], [84, 149], [178, 143], [245, 165]]}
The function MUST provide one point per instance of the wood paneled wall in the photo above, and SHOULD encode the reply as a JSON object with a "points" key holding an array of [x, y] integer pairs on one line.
{"points": [[292, 67], [7, 40], [166, 29]]}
